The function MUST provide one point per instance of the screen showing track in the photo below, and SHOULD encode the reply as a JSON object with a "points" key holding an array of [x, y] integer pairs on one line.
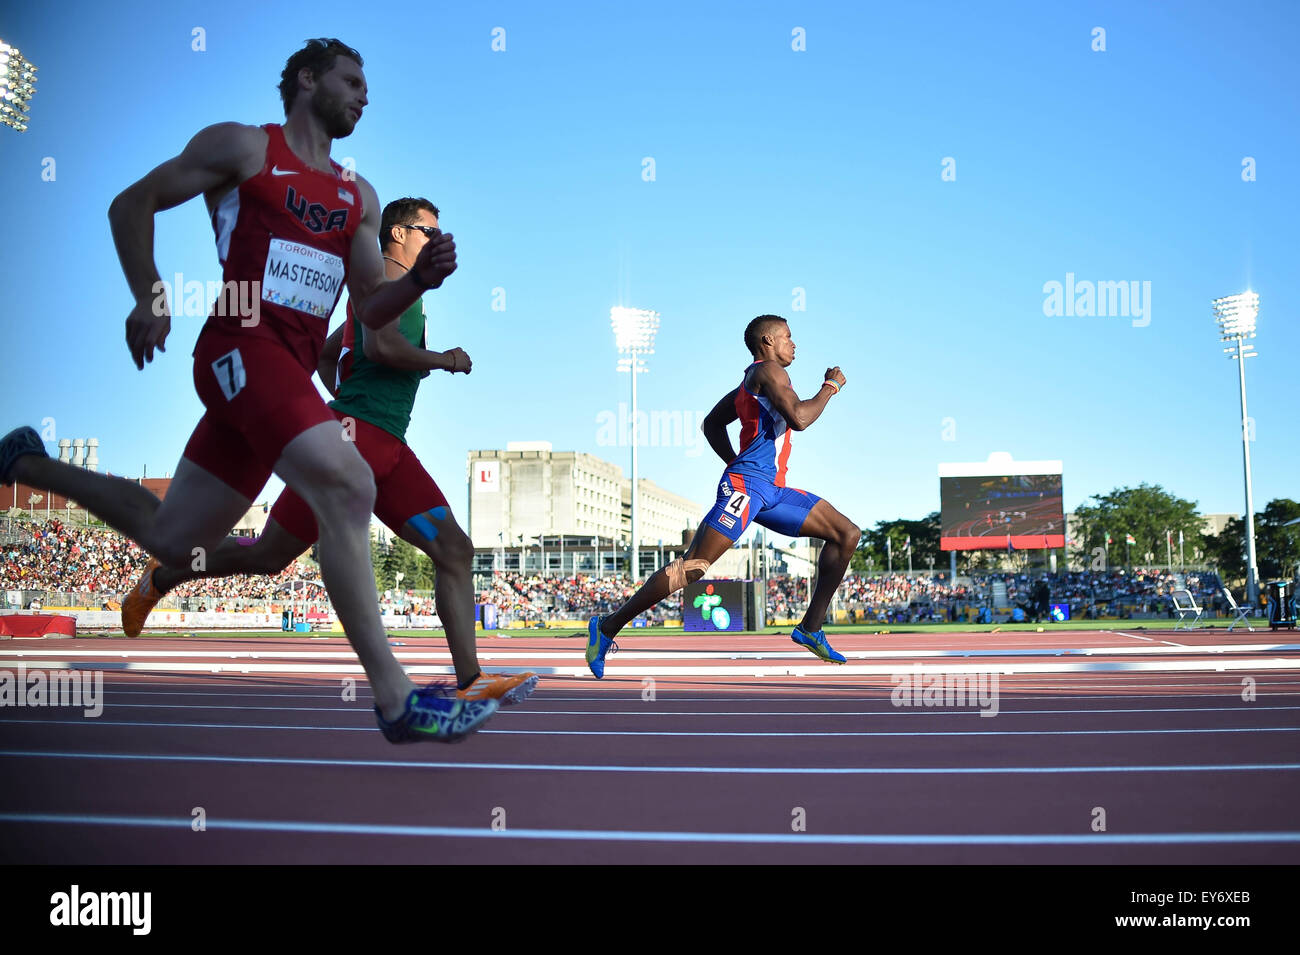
{"points": [[991, 511]]}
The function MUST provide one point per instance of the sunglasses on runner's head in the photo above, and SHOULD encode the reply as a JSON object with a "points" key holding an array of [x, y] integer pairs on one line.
{"points": [[428, 230]]}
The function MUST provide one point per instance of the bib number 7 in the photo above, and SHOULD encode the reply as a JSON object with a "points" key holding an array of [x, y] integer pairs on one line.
{"points": [[229, 369]]}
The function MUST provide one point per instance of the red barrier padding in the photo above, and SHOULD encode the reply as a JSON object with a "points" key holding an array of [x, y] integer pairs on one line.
{"points": [[30, 626]]}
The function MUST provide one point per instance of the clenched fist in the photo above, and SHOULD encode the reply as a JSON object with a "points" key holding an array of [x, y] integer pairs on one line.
{"points": [[457, 360], [436, 260]]}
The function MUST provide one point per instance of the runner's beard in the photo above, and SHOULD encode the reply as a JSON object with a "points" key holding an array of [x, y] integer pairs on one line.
{"points": [[334, 116]]}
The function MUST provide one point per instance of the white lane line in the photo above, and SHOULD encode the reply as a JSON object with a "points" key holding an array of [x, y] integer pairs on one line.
{"points": [[272, 708], [618, 835], [531, 709], [1135, 636], [687, 694], [626, 672], [900, 733], [693, 770], [689, 735], [716, 653]]}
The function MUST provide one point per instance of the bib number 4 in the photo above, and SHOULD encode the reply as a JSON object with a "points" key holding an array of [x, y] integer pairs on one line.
{"points": [[737, 504]]}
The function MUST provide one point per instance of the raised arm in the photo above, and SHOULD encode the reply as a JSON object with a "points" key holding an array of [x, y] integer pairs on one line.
{"points": [[219, 157], [774, 384], [377, 300], [715, 426]]}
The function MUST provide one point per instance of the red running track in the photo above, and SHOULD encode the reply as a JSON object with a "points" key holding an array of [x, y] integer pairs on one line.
{"points": [[1183, 745]]}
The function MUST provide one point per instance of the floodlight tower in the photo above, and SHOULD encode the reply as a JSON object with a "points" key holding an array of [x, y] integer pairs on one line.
{"points": [[17, 87], [1236, 317], [634, 333]]}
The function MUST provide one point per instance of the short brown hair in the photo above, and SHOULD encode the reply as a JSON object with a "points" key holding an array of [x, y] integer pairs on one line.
{"points": [[402, 212], [318, 56]]}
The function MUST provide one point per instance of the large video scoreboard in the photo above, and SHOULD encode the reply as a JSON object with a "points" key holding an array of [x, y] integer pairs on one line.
{"points": [[998, 504]]}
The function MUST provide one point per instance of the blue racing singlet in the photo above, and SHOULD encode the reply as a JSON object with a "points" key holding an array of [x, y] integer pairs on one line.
{"points": [[764, 437]]}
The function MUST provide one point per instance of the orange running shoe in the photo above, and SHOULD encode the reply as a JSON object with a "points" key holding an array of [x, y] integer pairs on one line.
{"points": [[509, 688], [142, 599]]}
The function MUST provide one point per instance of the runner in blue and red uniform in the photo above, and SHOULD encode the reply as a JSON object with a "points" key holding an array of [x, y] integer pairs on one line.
{"points": [[291, 226], [753, 488]]}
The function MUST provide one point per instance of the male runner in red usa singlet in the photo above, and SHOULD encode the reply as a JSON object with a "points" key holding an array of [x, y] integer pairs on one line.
{"points": [[291, 227]]}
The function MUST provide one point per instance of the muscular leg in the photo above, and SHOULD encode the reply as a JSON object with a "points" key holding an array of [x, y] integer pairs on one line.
{"points": [[273, 551], [452, 554], [121, 504], [842, 537], [708, 545], [327, 472], [200, 509]]}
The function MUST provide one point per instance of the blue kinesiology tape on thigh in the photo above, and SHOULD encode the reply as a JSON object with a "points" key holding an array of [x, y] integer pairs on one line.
{"points": [[424, 526]]}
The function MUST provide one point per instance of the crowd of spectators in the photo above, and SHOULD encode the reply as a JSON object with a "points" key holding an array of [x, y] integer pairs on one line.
{"points": [[900, 598], [529, 598], [1145, 590], [885, 597], [786, 596], [97, 567], [407, 604], [54, 559], [52, 556]]}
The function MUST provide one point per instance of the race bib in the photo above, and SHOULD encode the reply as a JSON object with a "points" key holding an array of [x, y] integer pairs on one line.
{"points": [[231, 377], [300, 277], [738, 503]]}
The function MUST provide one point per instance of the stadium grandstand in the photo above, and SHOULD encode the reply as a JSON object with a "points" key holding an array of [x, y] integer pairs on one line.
{"points": [[62, 565]]}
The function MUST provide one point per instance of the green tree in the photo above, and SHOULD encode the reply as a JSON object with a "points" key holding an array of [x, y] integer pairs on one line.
{"points": [[858, 562], [925, 543], [1146, 512], [1277, 547], [1226, 551], [417, 568], [386, 560], [399, 557], [376, 554]]}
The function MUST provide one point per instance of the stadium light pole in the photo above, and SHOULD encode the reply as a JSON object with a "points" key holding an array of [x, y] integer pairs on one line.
{"points": [[17, 87], [634, 333], [1236, 316], [1297, 566]]}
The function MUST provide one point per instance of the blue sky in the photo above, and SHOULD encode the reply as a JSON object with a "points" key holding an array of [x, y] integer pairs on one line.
{"points": [[774, 170]]}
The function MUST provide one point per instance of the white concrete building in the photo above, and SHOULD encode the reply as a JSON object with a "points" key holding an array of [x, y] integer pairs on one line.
{"points": [[529, 490]]}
